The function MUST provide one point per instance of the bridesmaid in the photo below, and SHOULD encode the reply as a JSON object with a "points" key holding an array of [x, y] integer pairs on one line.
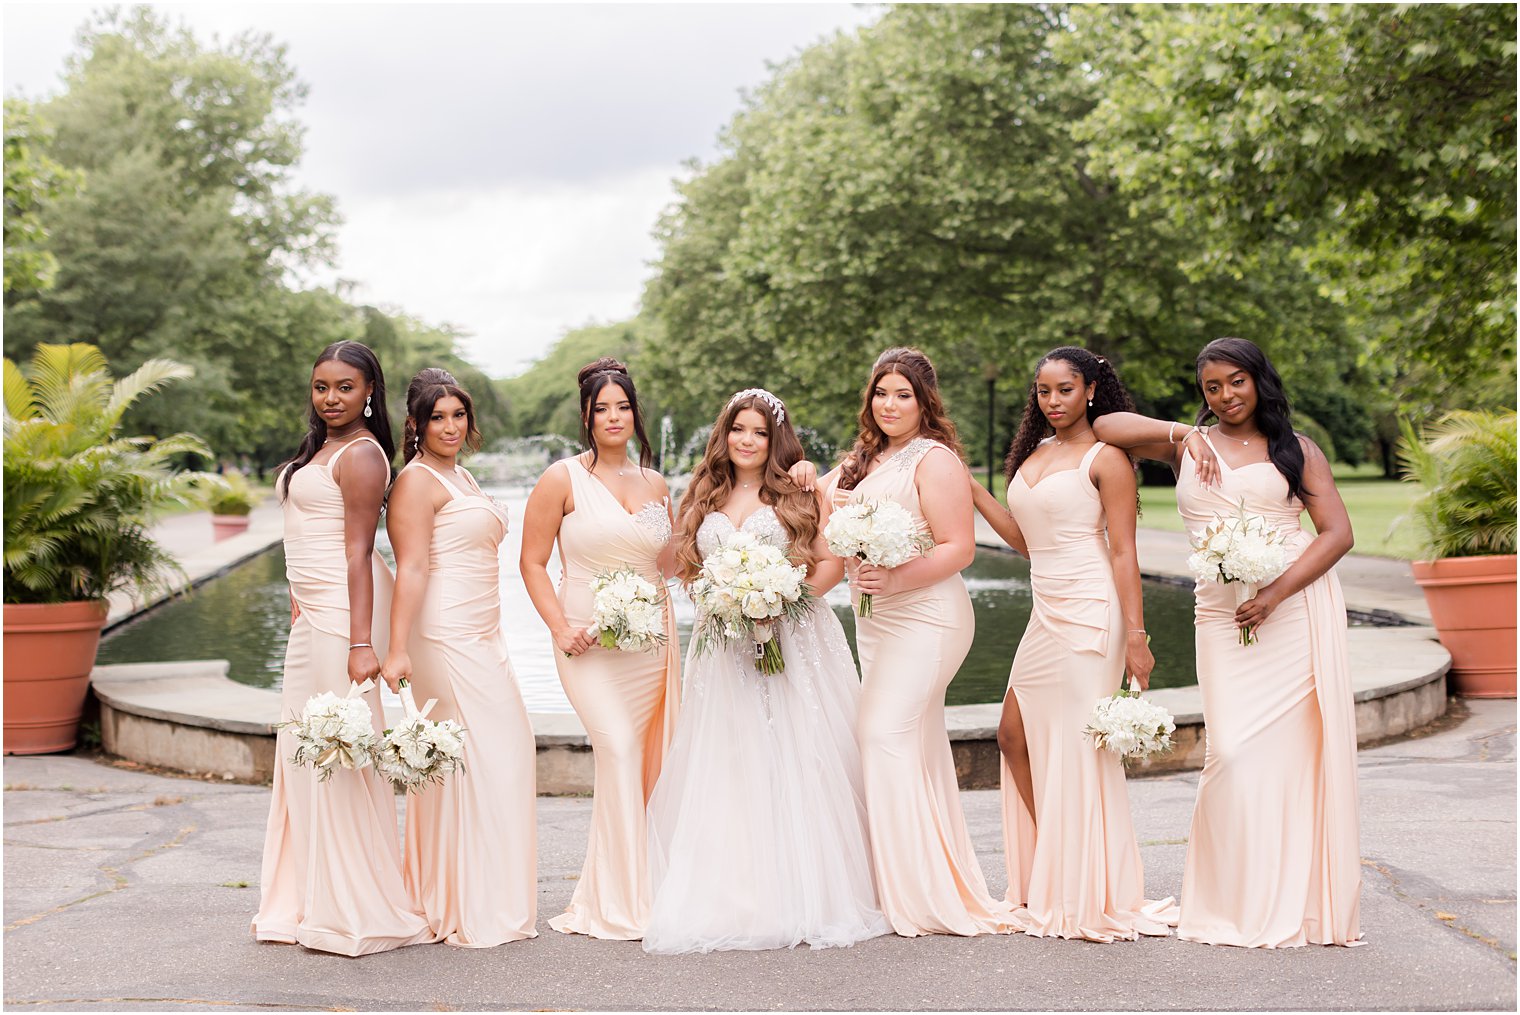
{"points": [[331, 875], [919, 631], [1272, 854], [471, 842], [1073, 862], [607, 513]]}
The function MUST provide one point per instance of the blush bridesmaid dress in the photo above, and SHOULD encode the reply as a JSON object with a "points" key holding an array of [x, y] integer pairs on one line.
{"points": [[928, 880], [1074, 865], [471, 842], [1272, 856], [331, 877], [626, 700]]}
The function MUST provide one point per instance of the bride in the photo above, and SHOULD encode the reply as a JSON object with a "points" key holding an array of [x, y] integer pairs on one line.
{"points": [[757, 832]]}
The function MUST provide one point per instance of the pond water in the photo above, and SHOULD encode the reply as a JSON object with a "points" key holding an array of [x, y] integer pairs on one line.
{"points": [[244, 617]]}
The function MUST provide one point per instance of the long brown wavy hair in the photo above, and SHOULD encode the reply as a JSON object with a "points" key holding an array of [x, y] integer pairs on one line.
{"points": [[713, 480], [933, 422]]}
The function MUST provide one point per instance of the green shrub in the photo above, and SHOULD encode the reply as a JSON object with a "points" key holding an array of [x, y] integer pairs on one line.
{"points": [[1466, 462], [237, 497], [78, 495]]}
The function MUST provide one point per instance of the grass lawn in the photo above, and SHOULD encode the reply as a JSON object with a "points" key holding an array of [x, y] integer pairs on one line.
{"points": [[1372, 501]]}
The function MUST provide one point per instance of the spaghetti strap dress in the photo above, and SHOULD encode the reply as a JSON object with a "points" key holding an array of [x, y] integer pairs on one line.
{"points": [[331, 877]]}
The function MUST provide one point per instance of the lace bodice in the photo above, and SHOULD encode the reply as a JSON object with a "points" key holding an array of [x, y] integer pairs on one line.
{"points": [[762, 524], [654, 518]]}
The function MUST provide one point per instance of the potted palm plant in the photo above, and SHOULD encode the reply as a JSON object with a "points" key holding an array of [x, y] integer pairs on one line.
{"points": [[230, 506], [78, 496], [1466, 520]]}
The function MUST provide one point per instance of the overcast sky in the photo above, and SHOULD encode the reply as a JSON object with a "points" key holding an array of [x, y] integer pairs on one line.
{"points": [[498, 166]]}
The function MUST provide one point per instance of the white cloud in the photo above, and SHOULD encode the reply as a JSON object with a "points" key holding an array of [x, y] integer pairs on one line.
{"points": [[514, 264], [499, 166]]}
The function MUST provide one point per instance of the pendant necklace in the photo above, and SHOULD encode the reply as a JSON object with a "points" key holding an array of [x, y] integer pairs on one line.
{"points": [[1243, 443], [1069, 439]]}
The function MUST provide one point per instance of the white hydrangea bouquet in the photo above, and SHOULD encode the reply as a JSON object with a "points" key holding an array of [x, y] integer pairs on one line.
{"points": [[1130, 726], [419, 750], [334, 732], [879, 532], [1241, 549], [745, 587], [626, 612]]}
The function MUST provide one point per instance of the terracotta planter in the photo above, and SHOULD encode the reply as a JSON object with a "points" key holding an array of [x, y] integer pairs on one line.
{"points": [[49, 652], [227, 526], [1472, 603]]}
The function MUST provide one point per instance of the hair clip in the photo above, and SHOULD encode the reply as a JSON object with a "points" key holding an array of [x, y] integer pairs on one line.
{"points": [[777, 409]]}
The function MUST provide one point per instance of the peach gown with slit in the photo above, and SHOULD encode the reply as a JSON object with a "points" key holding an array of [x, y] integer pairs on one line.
{"points": [[331, 877], [1073, 866], [928, 880], [626, 700], [1272, 857], [471, 842]]}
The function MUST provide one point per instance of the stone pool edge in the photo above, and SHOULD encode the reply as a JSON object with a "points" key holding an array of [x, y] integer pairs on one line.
{"points": [[190, 717]]}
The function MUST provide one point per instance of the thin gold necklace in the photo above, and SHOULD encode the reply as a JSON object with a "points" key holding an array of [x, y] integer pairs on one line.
{"points": [[1237, 440], [1069, 440]]}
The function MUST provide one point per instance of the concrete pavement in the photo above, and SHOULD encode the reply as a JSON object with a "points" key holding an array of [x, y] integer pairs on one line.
{"points": [[131, 891]]}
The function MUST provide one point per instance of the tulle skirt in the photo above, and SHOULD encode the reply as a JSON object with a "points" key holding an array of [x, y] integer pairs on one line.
{"points": [[757, 831]]}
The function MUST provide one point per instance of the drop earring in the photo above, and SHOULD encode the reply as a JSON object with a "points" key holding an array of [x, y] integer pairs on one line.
{"points": [[368, 412]]}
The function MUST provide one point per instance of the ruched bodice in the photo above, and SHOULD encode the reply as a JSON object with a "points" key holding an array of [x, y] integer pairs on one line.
{"points": [[1073, 861], [311, 889], [626, 700], [470, 844], [1070, 573], [316, 558], [1259, 486], [601, 535], [911, 647], [1272, 851]]}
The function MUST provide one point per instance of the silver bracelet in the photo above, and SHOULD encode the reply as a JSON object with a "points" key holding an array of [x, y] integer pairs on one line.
{"points": [[362, 644]]}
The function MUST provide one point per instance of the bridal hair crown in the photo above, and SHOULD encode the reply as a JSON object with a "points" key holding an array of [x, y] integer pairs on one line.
{"points": [[777, 409]]}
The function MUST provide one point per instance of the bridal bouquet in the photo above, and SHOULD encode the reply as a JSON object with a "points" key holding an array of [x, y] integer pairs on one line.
{"points": [[880, 532], [626, 613], [334, 731], [744, 587], [1240, 548], [1130, 726], [419, 750]]}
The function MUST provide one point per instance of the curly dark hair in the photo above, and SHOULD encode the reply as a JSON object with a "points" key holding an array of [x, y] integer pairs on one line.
{"points": [[1273, 414], [934, 421], [1109, 395]]}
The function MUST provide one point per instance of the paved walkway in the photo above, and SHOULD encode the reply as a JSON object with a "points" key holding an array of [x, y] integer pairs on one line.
{"points": [[131, 891]]}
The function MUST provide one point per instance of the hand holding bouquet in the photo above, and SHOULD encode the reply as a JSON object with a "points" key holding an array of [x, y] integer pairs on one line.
{"points": [[1130, 726], [419, 750], [879, 532], [1240, 548], [334, 731], [626, 612], [744, 587]]}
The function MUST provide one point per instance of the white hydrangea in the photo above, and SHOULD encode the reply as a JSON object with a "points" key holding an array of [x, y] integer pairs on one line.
{"points": [[1242, 549], [419, 750], [626, 613], [333, 732], [879, 532], [744, 587], [1130, 726]]}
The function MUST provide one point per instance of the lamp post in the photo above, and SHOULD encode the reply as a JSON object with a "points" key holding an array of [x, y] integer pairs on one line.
{"points": [[990, 371]]}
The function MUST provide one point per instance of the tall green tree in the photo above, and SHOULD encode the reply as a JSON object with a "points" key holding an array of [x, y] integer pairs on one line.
{"points": [[1376, 142], [32, 180], [920, 183]]}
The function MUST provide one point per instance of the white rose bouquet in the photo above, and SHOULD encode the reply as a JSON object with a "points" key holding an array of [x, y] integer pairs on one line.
{"points": [[746, 586], [1130, 726], [334, 731], [879, 532], [626, 612], [419, 750], [1240, 548]]}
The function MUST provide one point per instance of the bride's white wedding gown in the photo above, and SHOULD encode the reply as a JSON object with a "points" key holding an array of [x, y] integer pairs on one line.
{"points": [[757, 831]]}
